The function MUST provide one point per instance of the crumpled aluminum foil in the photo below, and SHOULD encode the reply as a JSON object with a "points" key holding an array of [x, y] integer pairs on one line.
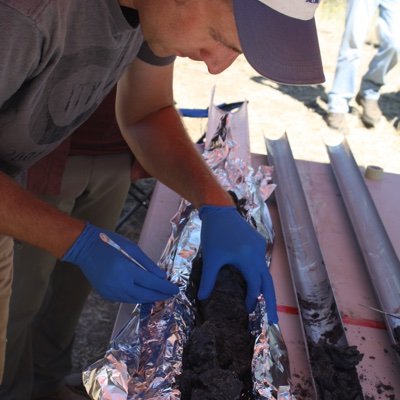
{"points": [[145, 358]]}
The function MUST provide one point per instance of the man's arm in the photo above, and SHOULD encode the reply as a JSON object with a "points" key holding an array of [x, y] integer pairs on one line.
{"points": [[114, 276], [28, 219], [154, 131]]}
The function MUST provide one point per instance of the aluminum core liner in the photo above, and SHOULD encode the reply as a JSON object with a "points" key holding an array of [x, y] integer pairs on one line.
{"points": [[145, 357]]}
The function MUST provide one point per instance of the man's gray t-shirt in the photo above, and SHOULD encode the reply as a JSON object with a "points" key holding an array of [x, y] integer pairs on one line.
{"points": [[58, 60]]}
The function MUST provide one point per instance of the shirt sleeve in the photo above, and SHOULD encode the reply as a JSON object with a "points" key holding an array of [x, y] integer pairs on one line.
{"points": [[146, 55], [20, 51]]}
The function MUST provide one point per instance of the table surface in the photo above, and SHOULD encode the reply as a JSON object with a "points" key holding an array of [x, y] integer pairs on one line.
{"points": [[379, 370]]}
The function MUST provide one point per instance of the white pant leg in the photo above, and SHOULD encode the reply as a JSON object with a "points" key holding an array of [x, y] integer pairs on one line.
{"points": [[388, 53], [358, 17]]}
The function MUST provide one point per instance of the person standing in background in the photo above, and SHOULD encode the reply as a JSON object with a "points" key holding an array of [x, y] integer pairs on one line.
{"points": [[359, 14]]}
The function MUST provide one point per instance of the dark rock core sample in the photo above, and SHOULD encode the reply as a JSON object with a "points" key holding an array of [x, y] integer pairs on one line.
{"points": [[333, 366], [217, 358], [334, 371]]}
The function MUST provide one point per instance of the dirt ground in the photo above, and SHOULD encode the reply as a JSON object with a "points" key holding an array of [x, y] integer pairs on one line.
{"points": [[273, 110]]}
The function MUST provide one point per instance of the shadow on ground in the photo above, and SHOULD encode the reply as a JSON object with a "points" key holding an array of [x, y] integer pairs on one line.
{"points": [[389, 103], [311, 96], [315, 98]]}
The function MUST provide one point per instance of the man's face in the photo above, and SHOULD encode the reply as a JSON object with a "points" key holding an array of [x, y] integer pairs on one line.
{"points": [[203, 30]]}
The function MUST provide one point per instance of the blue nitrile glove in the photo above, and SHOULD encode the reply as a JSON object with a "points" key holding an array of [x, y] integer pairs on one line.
{"points": [[227, 239], [112, 274]]}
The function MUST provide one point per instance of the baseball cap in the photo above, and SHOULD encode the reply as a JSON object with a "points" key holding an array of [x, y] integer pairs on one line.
{"points": [[279, 39]]}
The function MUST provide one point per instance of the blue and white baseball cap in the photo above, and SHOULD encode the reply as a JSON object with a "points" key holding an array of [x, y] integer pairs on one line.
{"points": [[279, 39]]}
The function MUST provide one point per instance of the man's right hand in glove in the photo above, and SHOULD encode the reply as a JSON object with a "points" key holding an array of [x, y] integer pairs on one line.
{"points": [[112, 274]]}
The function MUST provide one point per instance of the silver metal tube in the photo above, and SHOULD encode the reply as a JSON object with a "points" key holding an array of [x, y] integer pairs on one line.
{"points": [[315, 299], [310, 279], [381, 260], [320, 317]]}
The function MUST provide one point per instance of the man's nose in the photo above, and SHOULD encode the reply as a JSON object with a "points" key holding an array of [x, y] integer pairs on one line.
{"points": [[220, 61]]}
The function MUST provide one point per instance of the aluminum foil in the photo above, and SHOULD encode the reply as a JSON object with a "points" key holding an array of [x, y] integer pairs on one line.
{"points": [[145, 358]]}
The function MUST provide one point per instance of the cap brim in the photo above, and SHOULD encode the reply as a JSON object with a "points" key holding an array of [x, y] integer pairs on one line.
{"points": [[278, 47]]}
